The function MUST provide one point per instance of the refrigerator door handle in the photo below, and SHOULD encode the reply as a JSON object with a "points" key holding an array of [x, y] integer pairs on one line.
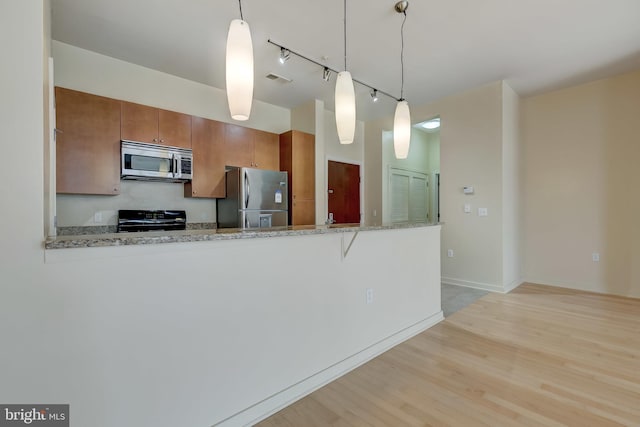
{"points": [[246, 190]]}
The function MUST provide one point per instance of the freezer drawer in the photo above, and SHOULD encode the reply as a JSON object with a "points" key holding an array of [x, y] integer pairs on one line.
{"points": [[262, 219]]}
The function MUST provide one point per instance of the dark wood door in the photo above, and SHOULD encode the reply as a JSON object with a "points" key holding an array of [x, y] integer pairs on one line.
{"points": [[344, 192]]}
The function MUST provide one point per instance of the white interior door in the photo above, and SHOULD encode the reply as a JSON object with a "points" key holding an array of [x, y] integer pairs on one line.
{"points": [[409, 195]]}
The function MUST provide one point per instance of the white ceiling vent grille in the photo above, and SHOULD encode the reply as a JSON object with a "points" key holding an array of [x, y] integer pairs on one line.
{"points": [[278, 78]]}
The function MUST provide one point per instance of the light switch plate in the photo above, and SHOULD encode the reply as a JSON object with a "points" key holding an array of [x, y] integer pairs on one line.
{"points": [[467, 208]]}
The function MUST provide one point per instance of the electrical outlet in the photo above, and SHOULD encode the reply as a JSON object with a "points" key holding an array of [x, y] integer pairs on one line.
{"points": [[97, 217], [369, 296], [450, 253], [483, 212], [595, 257]]}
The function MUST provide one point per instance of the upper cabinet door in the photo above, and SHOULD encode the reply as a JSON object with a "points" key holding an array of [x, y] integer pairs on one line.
{"points": [[139, 123], [266, 150], [174, 129], [304, 165], [87, 143], [154, 126], [208, 160], [238, 146]]}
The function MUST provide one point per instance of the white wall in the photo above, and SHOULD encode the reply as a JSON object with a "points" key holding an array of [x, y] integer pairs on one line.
{"points": [[176, 334], [92, 72], [303, 117], [80, 210], [581, 180], [511, 189], [470, 154]]}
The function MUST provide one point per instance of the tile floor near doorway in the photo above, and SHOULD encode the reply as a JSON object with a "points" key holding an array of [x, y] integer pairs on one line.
{"points": [[455, 298]]}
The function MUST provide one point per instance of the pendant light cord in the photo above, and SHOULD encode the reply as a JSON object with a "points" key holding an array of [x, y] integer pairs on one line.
{"points": [[345, 35], [241, 16], [402, 55]]}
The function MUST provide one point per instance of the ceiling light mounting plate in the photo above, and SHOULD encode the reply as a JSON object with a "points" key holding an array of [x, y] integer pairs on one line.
{"points": [[401, 6]]}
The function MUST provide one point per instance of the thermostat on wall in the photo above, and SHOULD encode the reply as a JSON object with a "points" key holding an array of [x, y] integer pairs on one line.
{"points": [[467, 190]]}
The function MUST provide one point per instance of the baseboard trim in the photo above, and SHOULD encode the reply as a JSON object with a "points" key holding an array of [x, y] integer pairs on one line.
{"points": [[273, 404], [476, 285], [511, 286], [484, 286]]}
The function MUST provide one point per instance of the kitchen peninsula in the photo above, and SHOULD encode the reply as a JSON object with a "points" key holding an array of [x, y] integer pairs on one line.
{"points": [[224, 326], [185, 236], [271, 314]]}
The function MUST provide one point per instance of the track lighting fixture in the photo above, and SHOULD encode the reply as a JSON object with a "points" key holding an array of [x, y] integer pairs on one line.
{"points": [[239, 68], [326, 74], [284, 55], [345, 93]]}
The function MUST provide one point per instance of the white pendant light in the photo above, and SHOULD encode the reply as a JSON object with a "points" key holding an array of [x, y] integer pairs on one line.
{"points": [[345, 97], [402, 130], [402, 118], [239, 69]]}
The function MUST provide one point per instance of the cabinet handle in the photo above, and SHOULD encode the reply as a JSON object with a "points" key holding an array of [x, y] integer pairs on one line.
{"points": [[162, 140], [155, 139]]}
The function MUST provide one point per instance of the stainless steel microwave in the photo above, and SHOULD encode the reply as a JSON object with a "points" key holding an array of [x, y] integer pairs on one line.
{"points": [[150, 162]]}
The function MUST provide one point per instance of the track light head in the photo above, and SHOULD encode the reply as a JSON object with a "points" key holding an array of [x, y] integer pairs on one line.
{"points": [[284, 55], [326, 74], [401, 6], [374, 95]]}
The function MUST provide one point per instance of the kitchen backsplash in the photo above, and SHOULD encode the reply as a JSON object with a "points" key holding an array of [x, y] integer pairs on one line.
{"points": [[97, 211]]}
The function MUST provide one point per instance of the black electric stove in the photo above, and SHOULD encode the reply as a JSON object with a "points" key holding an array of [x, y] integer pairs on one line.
{"points": [[141, 220]]}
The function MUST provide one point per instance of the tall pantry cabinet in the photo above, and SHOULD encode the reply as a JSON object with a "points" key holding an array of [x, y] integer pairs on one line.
{"points": [[297, 157]]}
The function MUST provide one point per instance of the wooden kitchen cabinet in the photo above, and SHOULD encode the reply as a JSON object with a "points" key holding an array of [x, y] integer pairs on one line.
{"points": [[251, 148], [87, 143], [207, 139], [297, 157], [238, 146], [152, 125], [266, 150]]}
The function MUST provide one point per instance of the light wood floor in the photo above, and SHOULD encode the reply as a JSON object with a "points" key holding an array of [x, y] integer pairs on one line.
{"points": [[539, 356]]}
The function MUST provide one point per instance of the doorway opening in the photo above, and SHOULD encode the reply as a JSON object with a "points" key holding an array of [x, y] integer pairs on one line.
{"points": [[343, 193], [411, 186]]}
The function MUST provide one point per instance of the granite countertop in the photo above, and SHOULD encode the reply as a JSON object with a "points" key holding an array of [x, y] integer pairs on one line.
{"points": [[156, 237]]}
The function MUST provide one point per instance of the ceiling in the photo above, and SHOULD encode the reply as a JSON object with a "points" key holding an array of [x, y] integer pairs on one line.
{"points": [[450, 46]]}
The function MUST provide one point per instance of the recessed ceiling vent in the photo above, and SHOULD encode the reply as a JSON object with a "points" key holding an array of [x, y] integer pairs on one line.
{"points": [[278, 78]]}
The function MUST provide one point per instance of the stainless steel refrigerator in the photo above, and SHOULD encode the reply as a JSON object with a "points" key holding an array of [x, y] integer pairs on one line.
{"points": [[256, 198]]}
